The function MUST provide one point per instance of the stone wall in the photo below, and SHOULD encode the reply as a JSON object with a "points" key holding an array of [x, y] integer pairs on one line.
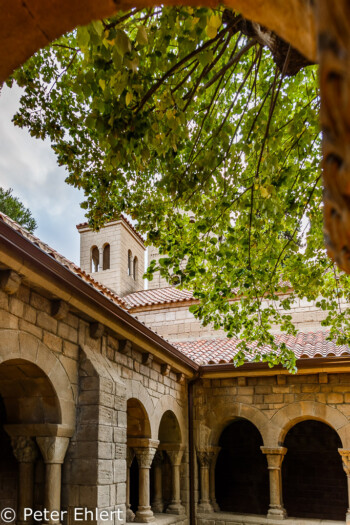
{"points": [[176, 323], [92, 380]]}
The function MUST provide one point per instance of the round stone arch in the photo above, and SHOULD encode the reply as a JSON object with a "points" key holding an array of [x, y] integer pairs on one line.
{"points": [[19, 345], [135, 390], [227, 414], [290, 415], [166, 404]]}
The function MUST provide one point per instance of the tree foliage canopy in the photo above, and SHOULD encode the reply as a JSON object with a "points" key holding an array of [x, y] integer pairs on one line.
{"points": [[12, 206], [184, 120]]}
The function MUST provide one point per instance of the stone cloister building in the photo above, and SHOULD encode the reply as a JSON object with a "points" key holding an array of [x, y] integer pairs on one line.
{"points": [[116, 405]]}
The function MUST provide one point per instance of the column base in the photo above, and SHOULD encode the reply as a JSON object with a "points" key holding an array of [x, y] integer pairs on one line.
{"points": [[158, 507], [205, 508], [277, 513], [175, 508], [144, 515], [215, 506], [347, 518], [130, 516]]}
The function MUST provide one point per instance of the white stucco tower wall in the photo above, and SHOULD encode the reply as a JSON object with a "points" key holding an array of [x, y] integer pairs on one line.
{"points": [[122, 239]]}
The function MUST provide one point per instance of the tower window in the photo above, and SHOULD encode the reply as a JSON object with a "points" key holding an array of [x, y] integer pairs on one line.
{"points": [[135, 268], [107, 257], [129, 262], [95, 259]]}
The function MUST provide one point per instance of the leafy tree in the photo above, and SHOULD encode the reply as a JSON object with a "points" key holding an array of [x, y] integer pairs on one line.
{"points": [[186, 120], [12, 206]]}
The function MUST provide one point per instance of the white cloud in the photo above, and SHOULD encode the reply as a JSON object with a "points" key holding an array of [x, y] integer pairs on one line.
{"points": [[29, 167]]}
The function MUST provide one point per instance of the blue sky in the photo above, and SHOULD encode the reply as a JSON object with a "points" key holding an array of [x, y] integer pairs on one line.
{"points": [[29, 167]]}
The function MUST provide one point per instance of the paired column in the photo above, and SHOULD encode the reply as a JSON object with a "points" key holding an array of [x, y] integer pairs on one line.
{"points": [[175, 455], [130, 516], [213, 501], [345, 455], [274, 458], [205, 458], [26, 452], [53, 450], [144, 456], [158, 504]]}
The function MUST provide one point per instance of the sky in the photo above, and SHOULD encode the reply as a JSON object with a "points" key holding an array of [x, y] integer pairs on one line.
{"points": [[29, 167]]}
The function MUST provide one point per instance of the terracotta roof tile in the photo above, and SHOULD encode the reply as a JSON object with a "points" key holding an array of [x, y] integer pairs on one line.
{"points": [[166, 295], [64, 262], [123, 218], [305, 345]]}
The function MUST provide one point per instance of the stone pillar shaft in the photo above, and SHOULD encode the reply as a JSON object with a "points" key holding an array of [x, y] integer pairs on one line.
{"points": [[204, 457], [53, 450], [158, 505], [213, 501], [175, 455], [144, 457], [274, 458], [26, 452]]}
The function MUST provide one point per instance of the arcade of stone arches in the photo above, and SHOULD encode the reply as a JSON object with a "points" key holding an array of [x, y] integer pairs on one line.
{"points": [[237, 472]]}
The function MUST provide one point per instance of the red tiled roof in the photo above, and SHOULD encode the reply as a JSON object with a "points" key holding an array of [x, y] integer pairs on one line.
{"points": [[64, 262], [304, 345], [123, 218], [166, 295]]}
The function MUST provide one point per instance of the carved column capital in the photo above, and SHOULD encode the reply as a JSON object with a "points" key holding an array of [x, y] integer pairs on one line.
{"points": [[205, 457], [158, 458], [130, 454], [144, 456], [274, 456], [175, 455], [345, 455], [53, 448], [24, 449]]}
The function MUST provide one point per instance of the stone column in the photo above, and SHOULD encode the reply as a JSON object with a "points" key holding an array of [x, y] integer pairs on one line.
{"points": [[204, 457], [53, 450], [26, 452], [345, 455], [274, 458], [157, 504], [175, 456], [144, 456], [130, 516], [213, 501]]}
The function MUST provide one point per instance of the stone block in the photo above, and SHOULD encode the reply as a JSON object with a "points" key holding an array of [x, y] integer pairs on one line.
{"points": [[67, 332], [52, 341], [105, 433], [47, 322], [84, 470], [71, 350], [120, 493], [335, 398], [119, 470], [30, 328], [8, 320], [273, 398], [105, 472], [40, 303], [88, 496], [106, 450], [16, 307], [310, 388]]}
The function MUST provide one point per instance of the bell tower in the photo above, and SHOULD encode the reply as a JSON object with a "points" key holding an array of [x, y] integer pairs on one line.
{"points": [[114, 256]]}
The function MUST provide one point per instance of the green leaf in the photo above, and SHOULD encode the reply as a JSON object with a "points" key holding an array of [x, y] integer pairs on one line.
{"points": [[142, 37], [122, 42]]}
